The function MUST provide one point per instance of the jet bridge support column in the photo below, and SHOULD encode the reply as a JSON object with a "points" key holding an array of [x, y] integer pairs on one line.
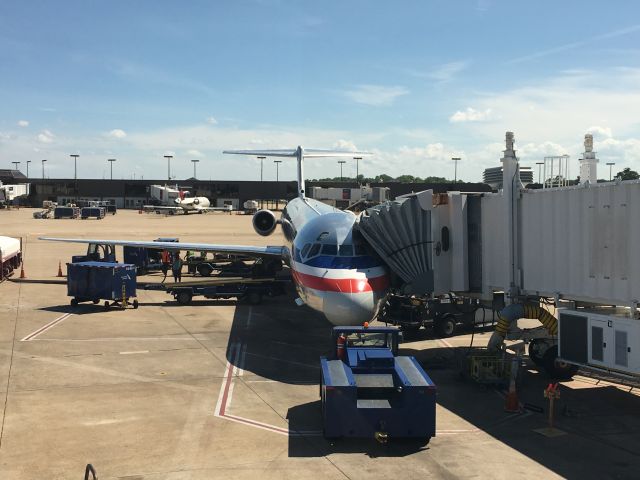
{"points": [[511, 186]]}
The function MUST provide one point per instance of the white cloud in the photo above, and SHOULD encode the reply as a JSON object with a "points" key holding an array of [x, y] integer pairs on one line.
{"points": [[117, 133], [195, 153], [376, 95], [470, 115], [211, 120], [23, 123], [345, 145], [597, 131], [443, 73], [45, 136]]}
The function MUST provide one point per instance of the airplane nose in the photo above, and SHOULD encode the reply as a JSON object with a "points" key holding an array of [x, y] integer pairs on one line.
{"points": [[350, 308]]}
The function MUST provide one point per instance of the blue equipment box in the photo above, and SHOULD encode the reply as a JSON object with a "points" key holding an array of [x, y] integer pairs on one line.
{"points": [[91, 281], [367, 390], [97, 212]]}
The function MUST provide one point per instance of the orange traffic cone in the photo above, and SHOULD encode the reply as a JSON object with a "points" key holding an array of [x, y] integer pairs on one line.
{"points": [[22, 275], [59, 268]]}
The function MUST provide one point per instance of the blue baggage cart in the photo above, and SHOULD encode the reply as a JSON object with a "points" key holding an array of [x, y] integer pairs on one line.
{"points": [[108, 281]]}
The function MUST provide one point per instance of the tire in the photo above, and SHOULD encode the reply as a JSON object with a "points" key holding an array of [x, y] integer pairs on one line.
{"points": [[106, 305], [204, 269], [534, 352], [446, 326], [74, 302], [183, 298], [96, 301], [555, 368], [135, 304]]}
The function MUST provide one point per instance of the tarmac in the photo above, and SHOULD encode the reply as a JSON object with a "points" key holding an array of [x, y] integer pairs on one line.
{"points": [[221, 389]]}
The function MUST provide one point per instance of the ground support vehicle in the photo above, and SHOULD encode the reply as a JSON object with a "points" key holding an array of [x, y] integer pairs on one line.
{"points": [[445, 314], [251, 290], [368, 390], [66, 212], [91, 212], [115, 283], [145, 259], [10, 256], [232, 266]]}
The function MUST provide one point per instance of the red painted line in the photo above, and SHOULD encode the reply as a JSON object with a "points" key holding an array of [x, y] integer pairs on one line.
{"points": [[225, 395], [343, 285]]}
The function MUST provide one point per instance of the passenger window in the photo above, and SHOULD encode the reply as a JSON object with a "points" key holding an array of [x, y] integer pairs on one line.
{"points": [[329, 249], [346, 250], [314, 250], [305, 250]]}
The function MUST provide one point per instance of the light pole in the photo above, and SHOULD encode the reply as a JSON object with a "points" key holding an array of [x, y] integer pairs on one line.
{"points": [[261, 166], [341, 162], [194, 167], [540, 171], [16, 165], [611, 164], [261, 173], [28, 162], [357, 159], [168, 157], [75, 165], [277, 162], [111, 160], [455, 168], [75, 172], [43, 169]]}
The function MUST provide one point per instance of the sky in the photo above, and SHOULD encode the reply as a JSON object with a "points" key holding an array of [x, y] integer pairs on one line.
{"points": [[413, 82]]}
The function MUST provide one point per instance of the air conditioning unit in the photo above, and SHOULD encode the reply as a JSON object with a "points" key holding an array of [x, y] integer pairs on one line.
{"points": [[600, 339]]}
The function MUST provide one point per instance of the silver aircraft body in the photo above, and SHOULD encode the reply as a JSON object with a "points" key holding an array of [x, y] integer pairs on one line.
{"points": [[334, 272]]}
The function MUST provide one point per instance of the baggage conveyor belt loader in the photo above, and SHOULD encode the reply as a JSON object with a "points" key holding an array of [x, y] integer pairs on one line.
{"points": [[368, 391]]}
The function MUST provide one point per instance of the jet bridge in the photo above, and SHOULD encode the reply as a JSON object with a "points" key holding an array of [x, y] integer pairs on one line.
{"points": [[575, 245]]}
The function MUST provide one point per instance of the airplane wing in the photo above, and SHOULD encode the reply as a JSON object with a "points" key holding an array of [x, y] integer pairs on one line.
{"points": [[270, 251]]}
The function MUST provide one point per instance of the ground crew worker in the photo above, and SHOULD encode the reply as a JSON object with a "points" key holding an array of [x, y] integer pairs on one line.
{"points": [[176, 268], [166, 261]]}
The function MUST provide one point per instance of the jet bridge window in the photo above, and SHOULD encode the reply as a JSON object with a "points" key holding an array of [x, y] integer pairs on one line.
{"points": [[346, 250], [329, 249]]}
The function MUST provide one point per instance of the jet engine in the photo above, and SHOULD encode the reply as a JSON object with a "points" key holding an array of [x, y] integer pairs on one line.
{"points": [[264, 222]]}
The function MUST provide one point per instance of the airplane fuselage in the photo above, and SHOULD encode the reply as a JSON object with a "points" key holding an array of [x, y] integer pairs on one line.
{"points": [[333, 272]]}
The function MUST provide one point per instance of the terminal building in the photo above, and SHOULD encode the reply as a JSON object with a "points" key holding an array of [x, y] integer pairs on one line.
{"points": [[134, 194]]}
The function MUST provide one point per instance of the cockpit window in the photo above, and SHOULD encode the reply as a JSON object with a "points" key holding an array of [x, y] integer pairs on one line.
{"points": [[360, 250], [315, 249], [305, 249], [346, 250], [329, 249]]}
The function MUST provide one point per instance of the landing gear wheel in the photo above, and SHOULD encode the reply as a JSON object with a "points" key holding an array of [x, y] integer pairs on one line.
{"points": [[135, 304], [74, 302], [204, 269], [557, 368], [183, 298], [446, 326], [536, 351]]}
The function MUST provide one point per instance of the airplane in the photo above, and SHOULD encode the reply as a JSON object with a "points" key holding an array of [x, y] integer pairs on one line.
{"points": [[185, 204], [334, 271]]}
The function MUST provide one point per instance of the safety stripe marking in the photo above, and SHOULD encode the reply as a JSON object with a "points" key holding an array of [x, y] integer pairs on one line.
{"points": [[46, 327]]}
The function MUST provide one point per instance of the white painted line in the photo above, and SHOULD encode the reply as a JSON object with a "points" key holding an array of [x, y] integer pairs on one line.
{"points": [[46, 327], [445, 343], [134, 352]]}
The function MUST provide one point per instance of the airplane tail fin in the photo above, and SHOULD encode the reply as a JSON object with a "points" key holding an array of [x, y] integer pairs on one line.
{"points": [[300, 154]]}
